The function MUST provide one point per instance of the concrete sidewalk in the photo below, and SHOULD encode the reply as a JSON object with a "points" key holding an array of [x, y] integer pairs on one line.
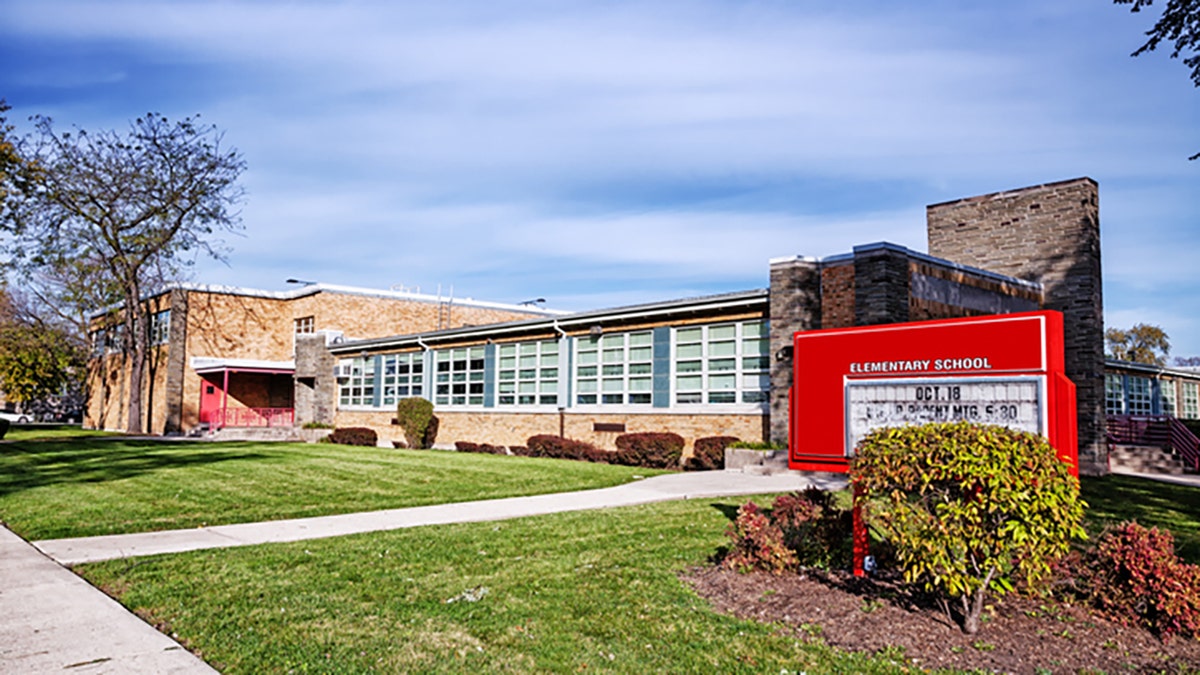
{"points": [[51, 620], [666, 487]]}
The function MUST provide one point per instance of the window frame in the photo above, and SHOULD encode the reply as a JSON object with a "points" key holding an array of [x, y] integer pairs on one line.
{"points": [[602, 383], [535, 382], [749, 342]]}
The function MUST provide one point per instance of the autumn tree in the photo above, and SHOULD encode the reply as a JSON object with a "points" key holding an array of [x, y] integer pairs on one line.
{"points": [[108, 212], [41, 360], [1143, 343]]}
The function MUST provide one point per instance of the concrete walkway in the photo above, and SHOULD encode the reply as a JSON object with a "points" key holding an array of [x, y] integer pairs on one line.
{"points": [[51, 620], [689, 485]]}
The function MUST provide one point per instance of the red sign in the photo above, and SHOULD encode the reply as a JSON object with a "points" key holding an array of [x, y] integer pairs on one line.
{"points": [[1005, 369]]}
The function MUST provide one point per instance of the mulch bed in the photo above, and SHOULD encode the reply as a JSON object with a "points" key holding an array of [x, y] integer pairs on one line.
{"points": [[1020, 635]]}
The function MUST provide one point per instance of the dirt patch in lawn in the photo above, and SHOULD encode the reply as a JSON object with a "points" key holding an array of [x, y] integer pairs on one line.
{"points": [[1020, 635]]}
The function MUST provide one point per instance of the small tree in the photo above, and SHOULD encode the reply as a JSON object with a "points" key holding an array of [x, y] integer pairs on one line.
{"points": [[415, 416], [970, 509], [1143, 343]]}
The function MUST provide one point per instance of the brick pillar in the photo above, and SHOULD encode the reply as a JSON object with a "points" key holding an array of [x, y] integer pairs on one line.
{"points": [[1050, 234], [315, 386], [881, 284], [795, 306], [176, 362]]}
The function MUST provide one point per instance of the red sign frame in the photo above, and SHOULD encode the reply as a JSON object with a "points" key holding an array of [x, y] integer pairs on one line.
{"points": [[1006, 346]]}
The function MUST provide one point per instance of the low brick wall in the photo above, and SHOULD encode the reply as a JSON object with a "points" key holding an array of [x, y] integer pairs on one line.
{"points": [[504, 428]]}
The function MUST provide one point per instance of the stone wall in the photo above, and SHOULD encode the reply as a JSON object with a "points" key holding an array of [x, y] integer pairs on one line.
{"points": [[795, 306], [1049, 234], [316, 387]]}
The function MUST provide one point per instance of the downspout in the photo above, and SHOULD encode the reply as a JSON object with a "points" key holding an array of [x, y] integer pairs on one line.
{"points": [[562, 408], [225, 399]]}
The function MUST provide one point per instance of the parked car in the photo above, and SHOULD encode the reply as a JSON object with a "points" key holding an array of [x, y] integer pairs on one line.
{"points": [[16, 418]]}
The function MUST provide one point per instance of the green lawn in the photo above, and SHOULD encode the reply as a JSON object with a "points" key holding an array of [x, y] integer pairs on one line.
{"points": [[39, 432], [1114, 498], [88, 486], [574, 592]]}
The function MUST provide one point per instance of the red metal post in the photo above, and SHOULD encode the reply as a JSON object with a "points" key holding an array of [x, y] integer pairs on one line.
{"points": [[861, 545]]}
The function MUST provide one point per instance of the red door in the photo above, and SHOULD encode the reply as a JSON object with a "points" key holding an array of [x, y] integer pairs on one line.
{"points": [[210, 399]]}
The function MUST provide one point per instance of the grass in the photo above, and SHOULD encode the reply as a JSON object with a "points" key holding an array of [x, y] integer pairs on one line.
{"points": [[38, 432], [90, 486], [1116, 498], [592, 592]]}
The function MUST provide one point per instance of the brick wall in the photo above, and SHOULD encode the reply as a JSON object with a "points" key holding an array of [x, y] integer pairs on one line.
{"points": [[514, 428], [795, 306], [837, 295], [1049, 234]]}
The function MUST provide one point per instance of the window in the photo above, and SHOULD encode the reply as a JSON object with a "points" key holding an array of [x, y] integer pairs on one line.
{"points": [[615, 369], [1166, 390], [98, 341], [114, 338], [305, 324], [359, 387], [527, 373], [1139, 396], [1191, 400], [402, 376], [459, 379], [724, 363], [160, 327], [1114, 394]]}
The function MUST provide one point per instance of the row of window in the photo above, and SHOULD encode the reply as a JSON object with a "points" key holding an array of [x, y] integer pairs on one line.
{"points": [[110, 339], [714, 364], [1136, 395]]}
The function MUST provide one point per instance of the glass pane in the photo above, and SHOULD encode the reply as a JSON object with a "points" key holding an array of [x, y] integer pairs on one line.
{"points": [[722, 364], [722, 381], [551, 399], [640, 398], [690, 351], [614, 385], [527, 388], [587, 357], [506, 387], [506, 400], [508, 350], [526, 399], [550, 347], [587, 371], [754, 329], [618, 369], [475, 388], [722, 348], [477, 376], [528, 361], [508, 374], [549, 373], [614, 355], [756, 363], [475, 400], [687, 367], [529, 348], [640, 339], [640, 369], [687, 335], [688, 382], [477, 352], [588, 399], [722, 332], [759, 347], [640, 384], [548, 387], [754, 397], [528, 374], [585, 386], [617, 340], [549, 359], [613, 398], [756, 382], [690, 397], [722, 397], [641, 354], [508, 362]]}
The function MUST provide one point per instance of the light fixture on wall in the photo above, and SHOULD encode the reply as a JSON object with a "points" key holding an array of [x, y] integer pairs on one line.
{"points": [[596, 331], [784, 354]]}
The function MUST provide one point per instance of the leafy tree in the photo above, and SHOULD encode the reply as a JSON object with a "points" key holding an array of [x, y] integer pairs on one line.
{"points": [[107, 213], [1143, 343], [970, 509], [39, 360], [1180, 25]]}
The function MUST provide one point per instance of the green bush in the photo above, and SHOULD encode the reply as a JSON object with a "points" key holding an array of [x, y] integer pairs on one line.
{"points": [[316, 425], [758, 445], [353, 436], [415, 416], [969, 509], [1134, 574], [708, 453]]}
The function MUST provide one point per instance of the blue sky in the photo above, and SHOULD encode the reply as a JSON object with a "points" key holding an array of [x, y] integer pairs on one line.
{"points": [[605, 153]]}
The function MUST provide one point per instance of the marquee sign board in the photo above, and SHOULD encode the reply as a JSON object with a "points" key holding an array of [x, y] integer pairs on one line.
{"points": [[1005, 370]]}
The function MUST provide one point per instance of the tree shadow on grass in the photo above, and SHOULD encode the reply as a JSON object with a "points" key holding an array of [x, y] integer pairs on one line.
{"points": [[1116, 498], [26, 465]]}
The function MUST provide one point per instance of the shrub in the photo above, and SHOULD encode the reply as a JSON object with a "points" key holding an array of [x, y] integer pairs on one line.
{"points": [[969, 508], [1133, 574], [353, 436], [415, 416], [546, 445], [485, 448], [758, 445], [316, 425], [4, 424], [519, 450], [815, 529], [597, 455], [708, 453], [653, 450], [757, 543]]}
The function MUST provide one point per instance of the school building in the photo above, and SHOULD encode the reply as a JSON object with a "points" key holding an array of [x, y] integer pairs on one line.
{"points": [[714, 365]]}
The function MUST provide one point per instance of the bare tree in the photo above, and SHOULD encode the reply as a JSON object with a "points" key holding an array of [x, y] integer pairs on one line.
{"points": [[105, 214]]}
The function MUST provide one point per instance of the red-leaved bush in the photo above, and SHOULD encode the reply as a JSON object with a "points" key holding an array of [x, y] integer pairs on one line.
{"points": [[1134, 574], [757, 543], [654, 450], [708, 453], [485, 448], [353, 436], [557, 447]]}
